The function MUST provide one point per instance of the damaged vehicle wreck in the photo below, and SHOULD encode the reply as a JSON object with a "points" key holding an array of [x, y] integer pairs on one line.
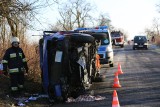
{"points": [[68, 63]]}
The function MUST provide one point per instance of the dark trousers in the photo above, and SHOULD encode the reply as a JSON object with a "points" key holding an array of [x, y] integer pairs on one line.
{"points": [[16, 79]]}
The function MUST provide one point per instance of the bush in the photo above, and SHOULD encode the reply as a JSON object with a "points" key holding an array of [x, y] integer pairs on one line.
{"points": [[158, 40], [32, 54]]}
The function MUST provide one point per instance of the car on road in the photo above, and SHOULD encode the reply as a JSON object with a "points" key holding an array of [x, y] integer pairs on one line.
{"points": [[140, 41]]}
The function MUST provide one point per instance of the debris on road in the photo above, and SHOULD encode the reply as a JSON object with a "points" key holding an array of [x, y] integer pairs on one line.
{"points": [[87, 98], [22, 100]]}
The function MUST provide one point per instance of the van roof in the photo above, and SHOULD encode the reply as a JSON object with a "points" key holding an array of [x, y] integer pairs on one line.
{"points": [[95, 29]]}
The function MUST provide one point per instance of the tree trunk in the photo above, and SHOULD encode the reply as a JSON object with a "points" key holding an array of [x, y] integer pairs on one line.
{"points": [[12, 27]]}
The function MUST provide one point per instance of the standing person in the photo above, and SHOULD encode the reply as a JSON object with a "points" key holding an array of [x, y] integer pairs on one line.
{"points": [[15, 64]]}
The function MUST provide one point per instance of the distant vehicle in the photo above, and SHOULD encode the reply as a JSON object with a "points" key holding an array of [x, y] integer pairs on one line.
{"points": [[117, 38], [140, 42]]}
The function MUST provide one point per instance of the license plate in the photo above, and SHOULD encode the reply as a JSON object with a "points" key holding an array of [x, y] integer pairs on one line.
{"points": [[140, 45]]}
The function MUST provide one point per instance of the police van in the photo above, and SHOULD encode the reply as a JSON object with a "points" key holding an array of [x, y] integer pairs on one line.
{"points": [[105, 50]]}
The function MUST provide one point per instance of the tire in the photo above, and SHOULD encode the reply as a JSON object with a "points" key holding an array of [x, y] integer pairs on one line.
{"points": [[82, 38], [99, 36], [99, 79], [122, 46], [133, 48], [111, 65], [113, 42]]}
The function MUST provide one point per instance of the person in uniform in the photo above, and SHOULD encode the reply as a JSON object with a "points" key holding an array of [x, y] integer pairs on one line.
{"points": [[15, 64]]}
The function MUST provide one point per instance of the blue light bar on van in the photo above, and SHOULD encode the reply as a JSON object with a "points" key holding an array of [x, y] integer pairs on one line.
{"points": [[102, 27], [91, 29], [81, 29]]}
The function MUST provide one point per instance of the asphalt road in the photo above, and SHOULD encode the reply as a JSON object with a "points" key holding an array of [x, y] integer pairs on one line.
{"points": [[140, 81]]}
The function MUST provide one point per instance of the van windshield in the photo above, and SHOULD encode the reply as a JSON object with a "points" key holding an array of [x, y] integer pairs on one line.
{"points": [[115, 35], [140, 39], [106, 40]]}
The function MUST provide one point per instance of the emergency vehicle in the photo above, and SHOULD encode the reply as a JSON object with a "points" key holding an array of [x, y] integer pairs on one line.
{"points": [[105, 50], [117, 38]]}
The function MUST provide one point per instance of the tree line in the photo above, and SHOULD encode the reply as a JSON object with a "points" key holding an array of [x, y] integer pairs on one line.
{"points": [[154, 30]]}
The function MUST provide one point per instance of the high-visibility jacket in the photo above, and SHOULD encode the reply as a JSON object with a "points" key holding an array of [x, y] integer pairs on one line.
{"points": [[98, 65], [14, 60]]}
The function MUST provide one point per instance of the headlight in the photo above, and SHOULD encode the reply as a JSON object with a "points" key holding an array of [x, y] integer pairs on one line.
{"points": [[109, 49], [135, 44], [145, 43], [110, 55]]}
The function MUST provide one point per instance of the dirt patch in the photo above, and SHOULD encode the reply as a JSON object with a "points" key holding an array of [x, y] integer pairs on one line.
{"points": [[6, 98]]}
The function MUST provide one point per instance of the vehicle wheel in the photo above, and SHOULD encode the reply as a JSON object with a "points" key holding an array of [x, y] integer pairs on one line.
{"points": [[82, 38], [99, 35], [113, 42], [99, 78], [122, 46], [111, 65]]}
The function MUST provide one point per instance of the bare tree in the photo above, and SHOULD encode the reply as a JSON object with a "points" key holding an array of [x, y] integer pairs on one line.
{"points": [[156, 26], [56, 27], [104, 20], [14, 12], [74, 13], [155, 29], [150, 32], [16, 15]]}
